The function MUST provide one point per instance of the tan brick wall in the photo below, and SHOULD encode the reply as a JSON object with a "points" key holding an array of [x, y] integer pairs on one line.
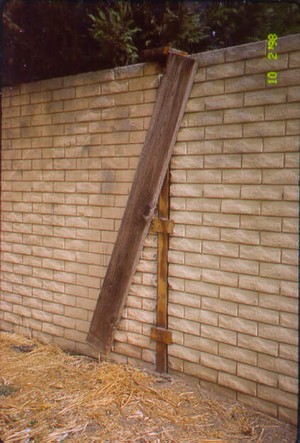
{"points": [[234, 255], [69, 152]]}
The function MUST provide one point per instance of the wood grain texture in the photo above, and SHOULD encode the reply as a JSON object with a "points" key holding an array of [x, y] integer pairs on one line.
{"points": [[167, 115]]}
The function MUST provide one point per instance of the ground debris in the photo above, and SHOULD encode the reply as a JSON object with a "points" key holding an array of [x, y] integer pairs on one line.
{"points": [[6, 390], [67, 398], [23, 348]]}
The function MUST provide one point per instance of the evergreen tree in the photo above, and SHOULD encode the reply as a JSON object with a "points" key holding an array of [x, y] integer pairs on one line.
{"points": [[49, 38], [113, 28]]}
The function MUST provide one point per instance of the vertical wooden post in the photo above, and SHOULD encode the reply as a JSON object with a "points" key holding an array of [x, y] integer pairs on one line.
{"points": [[162, 283], [163, 227]]}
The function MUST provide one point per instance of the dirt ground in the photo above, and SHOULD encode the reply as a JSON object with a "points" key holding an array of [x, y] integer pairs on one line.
{"points": [[47, 395]]}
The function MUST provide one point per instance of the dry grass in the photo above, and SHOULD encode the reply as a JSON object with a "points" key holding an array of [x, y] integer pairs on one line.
{"points": [[50, 396]]}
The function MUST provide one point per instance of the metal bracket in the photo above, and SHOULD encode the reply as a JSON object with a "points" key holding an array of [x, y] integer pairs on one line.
{"points": [[161, 335], [160, 54], [162, 225]]}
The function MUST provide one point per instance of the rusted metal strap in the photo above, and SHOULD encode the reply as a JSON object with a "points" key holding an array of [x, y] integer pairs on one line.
{"points": [[160, 54]]}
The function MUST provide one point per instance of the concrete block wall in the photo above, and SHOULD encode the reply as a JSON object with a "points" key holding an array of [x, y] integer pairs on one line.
{"points": [[70, 147], [69, 153], [233, 269]]}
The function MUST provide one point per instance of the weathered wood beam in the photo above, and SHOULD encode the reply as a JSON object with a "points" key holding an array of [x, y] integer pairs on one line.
{"points": [[167, 115]]}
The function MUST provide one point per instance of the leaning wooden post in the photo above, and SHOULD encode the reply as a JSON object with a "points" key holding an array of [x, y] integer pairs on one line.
{"points": [[172, 97]]}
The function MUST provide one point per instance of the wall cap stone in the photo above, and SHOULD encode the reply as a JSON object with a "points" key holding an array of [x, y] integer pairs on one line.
{"points": [[245, 51]]}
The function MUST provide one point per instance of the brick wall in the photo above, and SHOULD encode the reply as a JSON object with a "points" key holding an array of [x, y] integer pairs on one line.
{"points": [[69, 152]]}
